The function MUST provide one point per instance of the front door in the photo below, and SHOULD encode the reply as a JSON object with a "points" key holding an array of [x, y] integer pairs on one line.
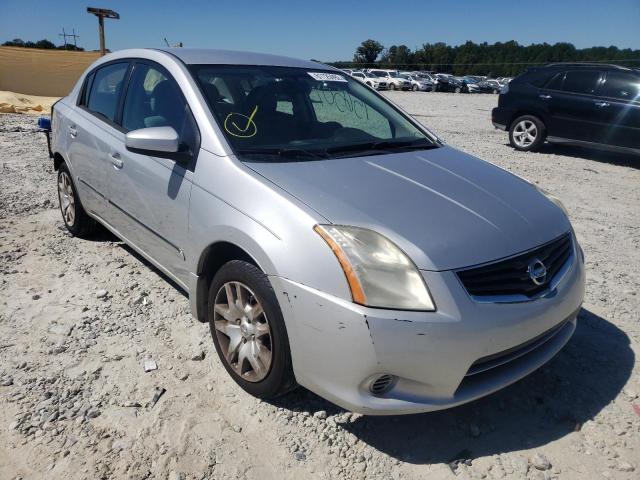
{"points": [[149, 194], [618, 109]]}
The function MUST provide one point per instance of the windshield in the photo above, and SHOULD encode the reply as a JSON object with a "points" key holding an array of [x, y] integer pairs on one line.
{"points": [[280, 113]]}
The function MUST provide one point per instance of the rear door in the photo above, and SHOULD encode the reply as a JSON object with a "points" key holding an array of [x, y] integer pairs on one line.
{"points": [[570, 97], [618, 109], [150, 194], [92, 131]]}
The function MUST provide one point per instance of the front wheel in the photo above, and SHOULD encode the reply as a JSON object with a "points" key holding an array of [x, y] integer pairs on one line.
{"points": [[392, 86], [248, 330], [527, 133], [415, 88], [458, 90]]}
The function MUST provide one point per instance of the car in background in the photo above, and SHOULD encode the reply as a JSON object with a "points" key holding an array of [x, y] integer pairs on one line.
{"points": [[418, 83], [592, 105], [393, 79], [371, 80], [448, 83], [493, 86]]}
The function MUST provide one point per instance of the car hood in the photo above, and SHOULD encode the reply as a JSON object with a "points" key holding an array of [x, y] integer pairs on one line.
{"points": [[444, 208]]}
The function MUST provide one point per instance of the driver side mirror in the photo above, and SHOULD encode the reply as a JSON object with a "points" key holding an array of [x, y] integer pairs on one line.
{"points": [[153, 140]]}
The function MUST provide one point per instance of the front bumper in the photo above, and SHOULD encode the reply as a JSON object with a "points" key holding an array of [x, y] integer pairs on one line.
{"points": [[338, 348]]}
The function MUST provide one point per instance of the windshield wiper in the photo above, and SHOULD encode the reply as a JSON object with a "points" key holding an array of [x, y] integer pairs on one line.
{"points": [[284, 153], [383, 145]]}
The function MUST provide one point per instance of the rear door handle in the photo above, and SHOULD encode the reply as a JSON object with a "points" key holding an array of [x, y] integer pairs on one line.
{"points": [[602, 104], [545, 96], [72, 131], [115, 159]]}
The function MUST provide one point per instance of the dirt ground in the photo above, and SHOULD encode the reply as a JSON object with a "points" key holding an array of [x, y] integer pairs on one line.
{"points": [[79, 318]]}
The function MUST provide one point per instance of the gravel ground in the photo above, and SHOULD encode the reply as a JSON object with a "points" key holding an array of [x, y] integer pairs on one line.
{"points": [[79, 318]]}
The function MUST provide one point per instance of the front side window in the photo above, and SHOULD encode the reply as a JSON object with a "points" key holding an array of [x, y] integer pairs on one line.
{"points": [[303, 114], [154, 100], [105, 90], [622, 85], [580, 81]]}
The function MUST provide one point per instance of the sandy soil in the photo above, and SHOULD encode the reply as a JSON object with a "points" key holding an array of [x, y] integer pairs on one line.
{"points": [[79, 318]]}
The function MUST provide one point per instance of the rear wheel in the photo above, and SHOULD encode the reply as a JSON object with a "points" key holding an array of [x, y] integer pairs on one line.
{"points": [[73, 214], [458, 90], [248, 330], [527, 133], [415, 88]]}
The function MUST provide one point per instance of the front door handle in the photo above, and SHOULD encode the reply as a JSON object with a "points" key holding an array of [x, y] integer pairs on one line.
{"points": [[115, 159], [545, 96], [72, 131], [602, 104]]}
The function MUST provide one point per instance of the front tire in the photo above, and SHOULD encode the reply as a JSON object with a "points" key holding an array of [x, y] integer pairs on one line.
{"points": [[527, 133], [392, 86], [78, 223], [248, 330]]}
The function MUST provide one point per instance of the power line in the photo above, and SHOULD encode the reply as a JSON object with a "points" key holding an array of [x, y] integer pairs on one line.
{"points": [[628, 60]]}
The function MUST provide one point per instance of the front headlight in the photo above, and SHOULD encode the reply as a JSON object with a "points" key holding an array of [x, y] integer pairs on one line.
{"points": [[551, 197], [378, 272]]}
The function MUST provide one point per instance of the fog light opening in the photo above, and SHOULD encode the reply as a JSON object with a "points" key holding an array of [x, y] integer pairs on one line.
{"points": [[382, 384]]}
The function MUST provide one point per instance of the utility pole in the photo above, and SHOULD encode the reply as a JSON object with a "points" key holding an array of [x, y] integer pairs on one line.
{"points": [[102, 13], [70, 35]]}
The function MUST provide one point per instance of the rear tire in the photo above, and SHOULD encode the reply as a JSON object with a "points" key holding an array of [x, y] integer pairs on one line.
{"points": [[74, 216], [248, 330], [415, 88], [527, 133]]}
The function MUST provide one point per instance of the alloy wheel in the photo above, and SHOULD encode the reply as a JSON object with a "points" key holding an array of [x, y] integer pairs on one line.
{"points": [[243, 331], [525, 133], [67, 198]]}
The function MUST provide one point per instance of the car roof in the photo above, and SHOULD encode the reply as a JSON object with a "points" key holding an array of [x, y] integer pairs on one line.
{"points": [[578, 65], [192, 56]]}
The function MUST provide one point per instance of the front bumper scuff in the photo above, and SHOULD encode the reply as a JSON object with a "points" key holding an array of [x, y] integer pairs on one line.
{"points": [[337, 346]]}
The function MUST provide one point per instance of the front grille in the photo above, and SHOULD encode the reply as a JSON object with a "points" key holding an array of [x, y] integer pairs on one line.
{"points": [[511, 277]]}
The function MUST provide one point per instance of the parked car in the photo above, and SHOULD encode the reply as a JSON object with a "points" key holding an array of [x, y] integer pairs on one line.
{"points": [[372, 80], [419, 84], [588, 104], [329, 239], [447, 83], [393, 79], [493, 85]]}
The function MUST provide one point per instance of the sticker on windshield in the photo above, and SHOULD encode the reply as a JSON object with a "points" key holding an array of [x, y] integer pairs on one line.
{"points": [[327, 77]]}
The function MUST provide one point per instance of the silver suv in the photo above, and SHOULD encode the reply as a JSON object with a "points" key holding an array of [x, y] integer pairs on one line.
{"points": [[327, 238]]}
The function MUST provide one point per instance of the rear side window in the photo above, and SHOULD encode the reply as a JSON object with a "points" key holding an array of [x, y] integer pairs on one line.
{"points": [[622, 85], [581, 81], [538, 78], [556, 82], [105, 90]]}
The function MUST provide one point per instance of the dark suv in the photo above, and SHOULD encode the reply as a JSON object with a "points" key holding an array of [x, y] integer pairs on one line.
{"points": [[587, 104]]}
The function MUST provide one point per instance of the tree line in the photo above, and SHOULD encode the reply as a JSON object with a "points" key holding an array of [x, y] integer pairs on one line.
{"points": [[498, 59], [43, 44]]}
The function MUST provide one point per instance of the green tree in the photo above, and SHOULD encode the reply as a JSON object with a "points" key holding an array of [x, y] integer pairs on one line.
{"points": [[368, 52]]}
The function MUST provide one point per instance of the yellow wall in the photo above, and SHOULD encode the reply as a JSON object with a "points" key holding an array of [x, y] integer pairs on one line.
{"points": [[42, 72]]}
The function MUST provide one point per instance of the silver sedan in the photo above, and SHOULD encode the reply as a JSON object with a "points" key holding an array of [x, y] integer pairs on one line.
{"points": [[327, 238]]}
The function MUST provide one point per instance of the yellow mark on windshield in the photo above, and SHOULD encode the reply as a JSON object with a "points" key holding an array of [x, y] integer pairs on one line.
{"points": [[248, 130]]}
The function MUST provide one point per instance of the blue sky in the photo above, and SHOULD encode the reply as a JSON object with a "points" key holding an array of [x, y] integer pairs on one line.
{"points": [[328, 30]]}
